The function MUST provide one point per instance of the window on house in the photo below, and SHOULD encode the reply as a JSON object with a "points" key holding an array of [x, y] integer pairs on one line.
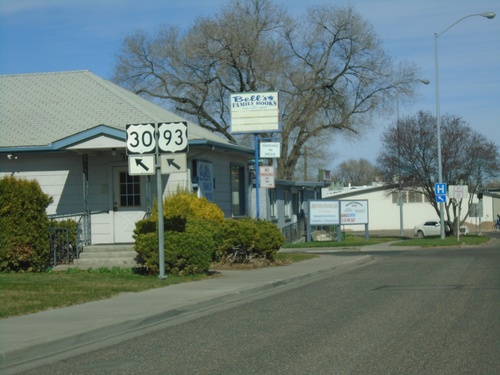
{"points": [[130, 190], [238, 206], [288, 205], [272, 203]]}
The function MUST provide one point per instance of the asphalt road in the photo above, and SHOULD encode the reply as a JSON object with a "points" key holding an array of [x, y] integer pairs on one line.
{"points": [[413, 312]]}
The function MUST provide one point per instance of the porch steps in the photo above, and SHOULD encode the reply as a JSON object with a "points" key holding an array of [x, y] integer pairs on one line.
{"points": [[97, 256]]}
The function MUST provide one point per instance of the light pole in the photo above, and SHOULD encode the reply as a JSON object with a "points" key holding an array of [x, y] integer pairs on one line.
{"points": [[400, 193], [488, 15]]}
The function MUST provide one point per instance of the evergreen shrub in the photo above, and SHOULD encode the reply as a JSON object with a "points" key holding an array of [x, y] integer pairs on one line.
{"points": [[192, 227], [24, 243], [186, 252], [256, 238]]}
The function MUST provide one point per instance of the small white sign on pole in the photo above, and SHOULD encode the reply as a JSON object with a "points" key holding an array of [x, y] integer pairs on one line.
{"points": [[458, 191], [266, 175], [270, 149]]}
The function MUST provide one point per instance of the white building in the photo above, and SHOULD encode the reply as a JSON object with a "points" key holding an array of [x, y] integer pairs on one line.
{"points": [[384, 211]]}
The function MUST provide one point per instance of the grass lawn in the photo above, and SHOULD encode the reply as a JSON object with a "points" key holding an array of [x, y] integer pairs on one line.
{"points": [[348, 241], [448, 241], [359, 241], [26, 293]]}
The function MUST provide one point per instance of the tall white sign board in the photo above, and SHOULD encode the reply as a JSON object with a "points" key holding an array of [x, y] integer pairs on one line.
{"points": [[255, 113]]}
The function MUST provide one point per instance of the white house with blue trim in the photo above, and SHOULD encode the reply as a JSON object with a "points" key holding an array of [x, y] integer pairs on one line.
{"points": [[67, 130]]}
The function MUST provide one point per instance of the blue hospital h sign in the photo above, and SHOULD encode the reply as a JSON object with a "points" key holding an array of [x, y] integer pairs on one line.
{"points": [[440, 191]]}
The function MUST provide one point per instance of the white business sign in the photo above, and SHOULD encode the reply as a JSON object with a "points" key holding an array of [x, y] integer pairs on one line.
{"points": [[255, 112], [354, 212], [324, 212]]}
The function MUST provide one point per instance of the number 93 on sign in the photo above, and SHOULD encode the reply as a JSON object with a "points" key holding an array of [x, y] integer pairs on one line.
{"points": [[171, 137]]}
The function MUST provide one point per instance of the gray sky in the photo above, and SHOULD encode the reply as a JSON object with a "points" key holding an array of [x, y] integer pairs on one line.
{"points": [[61, 35]]}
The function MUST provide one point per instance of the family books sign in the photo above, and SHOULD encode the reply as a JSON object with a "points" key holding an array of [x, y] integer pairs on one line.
{"points": [[255, 113]]}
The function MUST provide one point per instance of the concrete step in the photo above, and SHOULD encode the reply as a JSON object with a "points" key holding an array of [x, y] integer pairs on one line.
{"points": [[108, 248], [107, 254], [97, 256]]}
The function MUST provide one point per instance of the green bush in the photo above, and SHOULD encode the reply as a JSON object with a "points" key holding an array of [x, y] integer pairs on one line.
{"points": [[238, 233], [269, 239], [187, 252], [196, 233], [24, 243], [255, 238]]}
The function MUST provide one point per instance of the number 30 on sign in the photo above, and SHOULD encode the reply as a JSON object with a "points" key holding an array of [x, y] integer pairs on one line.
{"points": [[141, 139]]}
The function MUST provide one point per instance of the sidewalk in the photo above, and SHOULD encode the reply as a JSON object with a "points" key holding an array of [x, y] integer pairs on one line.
{"points": [[32, 337]]}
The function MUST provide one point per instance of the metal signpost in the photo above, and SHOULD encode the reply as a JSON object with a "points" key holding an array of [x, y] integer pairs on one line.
{"points": [[145, 142]]}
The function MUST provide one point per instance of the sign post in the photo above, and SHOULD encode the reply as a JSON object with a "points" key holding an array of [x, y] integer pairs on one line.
{"points": [[255, 113], [144, 144]]}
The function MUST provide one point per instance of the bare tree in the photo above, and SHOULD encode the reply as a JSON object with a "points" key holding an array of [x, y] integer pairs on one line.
{"points": [[409, 156], [329, 67], [355, 172]]}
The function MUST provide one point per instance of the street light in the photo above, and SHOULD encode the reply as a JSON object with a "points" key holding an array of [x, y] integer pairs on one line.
{"points": [[488, 15], [400, 194]]}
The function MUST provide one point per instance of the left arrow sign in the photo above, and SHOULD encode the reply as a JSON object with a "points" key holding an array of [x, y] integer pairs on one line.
{"points": [[141, 164]]}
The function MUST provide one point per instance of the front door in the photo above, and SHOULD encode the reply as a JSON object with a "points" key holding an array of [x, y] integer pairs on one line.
{"points": [[129, 204]]}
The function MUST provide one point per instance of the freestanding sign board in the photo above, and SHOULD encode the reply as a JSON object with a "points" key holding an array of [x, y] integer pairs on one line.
{"points": [[343, 212], [255, 113], [323, 212], [354, 212]]}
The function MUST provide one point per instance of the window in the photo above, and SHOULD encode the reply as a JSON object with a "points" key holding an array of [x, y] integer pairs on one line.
{"points": [[414, 197], [130, 190], [272, 203], [238, 206], [288, 205]]}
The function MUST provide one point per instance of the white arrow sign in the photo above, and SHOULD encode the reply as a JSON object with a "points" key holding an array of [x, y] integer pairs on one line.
{"points": [[141, 164], [173, 163]]}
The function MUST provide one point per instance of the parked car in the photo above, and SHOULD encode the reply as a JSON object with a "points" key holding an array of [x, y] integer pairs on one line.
{"points": [[429, 228]]}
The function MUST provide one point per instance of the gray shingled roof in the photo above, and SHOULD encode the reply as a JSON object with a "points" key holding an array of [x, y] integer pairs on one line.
{"points": [[40, 109]]}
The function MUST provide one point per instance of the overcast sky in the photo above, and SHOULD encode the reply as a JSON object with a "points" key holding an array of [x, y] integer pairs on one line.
{"points": [[60, 35]]}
